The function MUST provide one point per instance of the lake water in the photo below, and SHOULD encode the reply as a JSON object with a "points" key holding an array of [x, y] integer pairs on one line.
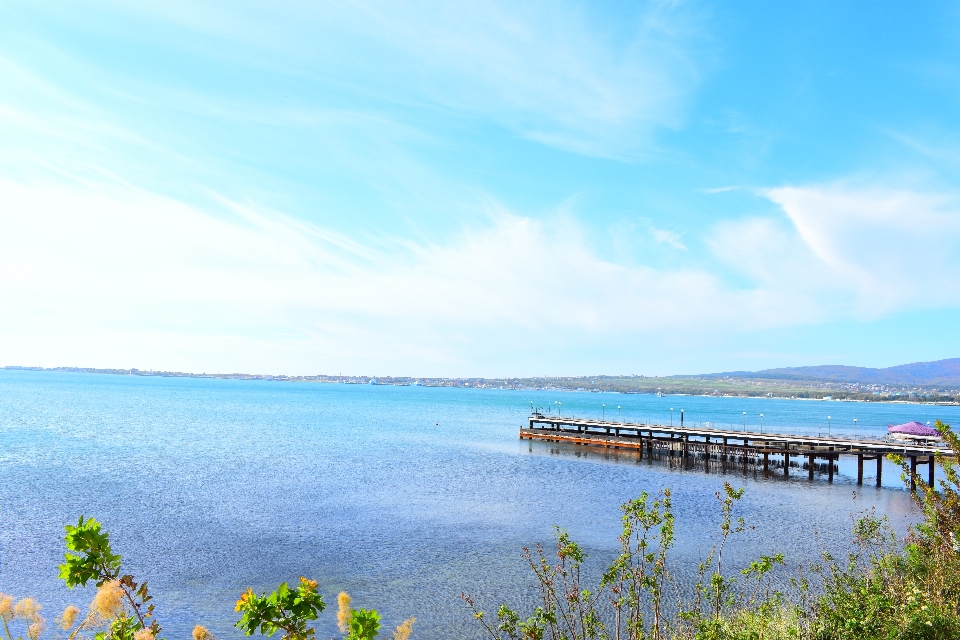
{"points": [[402, 496]]}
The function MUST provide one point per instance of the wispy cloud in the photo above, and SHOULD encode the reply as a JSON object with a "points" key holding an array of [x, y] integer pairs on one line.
{"points": [[561, 74], [856, 249], [663, 236], [355, 184], [894, 248], [121, 273], [91, 263]]}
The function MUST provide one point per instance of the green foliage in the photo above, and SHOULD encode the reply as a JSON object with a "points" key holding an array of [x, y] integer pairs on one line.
{"points": [[885, 589], [364, 624], [636, 579], [89, 556], [288, 610], [634, 588], [566, 609], [123, 627], [903, 592]]}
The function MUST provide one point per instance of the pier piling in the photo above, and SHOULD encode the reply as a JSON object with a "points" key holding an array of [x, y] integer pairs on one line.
{"points": [[676, 441]]}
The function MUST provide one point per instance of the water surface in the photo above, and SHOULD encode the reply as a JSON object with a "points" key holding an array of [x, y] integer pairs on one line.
{"points": [[403, 496]]}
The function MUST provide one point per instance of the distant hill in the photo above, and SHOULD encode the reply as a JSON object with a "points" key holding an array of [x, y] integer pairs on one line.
{"points": [[942, 373]]}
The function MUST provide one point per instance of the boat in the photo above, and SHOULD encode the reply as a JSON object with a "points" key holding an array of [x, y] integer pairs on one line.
{"points": [[913, 432]]}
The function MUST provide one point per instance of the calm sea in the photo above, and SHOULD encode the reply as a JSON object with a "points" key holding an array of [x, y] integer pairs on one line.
{"points": [[402, 496]]}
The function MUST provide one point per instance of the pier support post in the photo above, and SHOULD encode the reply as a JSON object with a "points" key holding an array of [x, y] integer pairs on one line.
{"points": [[766, 461], [723, 455], [786, 465], [830, 464], [859, 468], [913, 473], [930, 472], [879, 468], [810, 467]]}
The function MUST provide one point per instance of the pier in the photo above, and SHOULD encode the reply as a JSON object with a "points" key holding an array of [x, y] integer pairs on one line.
{"points": [[729, 446]]}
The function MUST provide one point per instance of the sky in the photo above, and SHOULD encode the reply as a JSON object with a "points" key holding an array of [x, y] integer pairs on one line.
{"points": [[478, 189]]}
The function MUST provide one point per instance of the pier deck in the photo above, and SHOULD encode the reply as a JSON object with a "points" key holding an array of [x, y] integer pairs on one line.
{"points": [[725, 444]]}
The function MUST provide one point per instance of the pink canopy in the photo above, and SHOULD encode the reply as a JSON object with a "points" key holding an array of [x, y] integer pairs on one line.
{"points": [[913, 429]]}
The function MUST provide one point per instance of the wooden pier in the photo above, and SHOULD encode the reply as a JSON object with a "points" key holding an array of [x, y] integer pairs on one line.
{"points": [[731, 446]]}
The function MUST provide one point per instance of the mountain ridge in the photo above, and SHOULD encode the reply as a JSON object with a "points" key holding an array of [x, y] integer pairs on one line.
{"points": [[935, 373]]}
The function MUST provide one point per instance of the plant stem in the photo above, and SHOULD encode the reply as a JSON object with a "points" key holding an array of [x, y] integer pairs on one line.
{"points": [[7, 629]]}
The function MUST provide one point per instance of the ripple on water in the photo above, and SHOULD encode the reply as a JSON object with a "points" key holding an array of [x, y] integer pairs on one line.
{"points": [[402, 496]]}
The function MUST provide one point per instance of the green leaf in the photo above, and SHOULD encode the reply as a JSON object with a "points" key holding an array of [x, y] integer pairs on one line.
{"points": [[89, 556], [364, 624]]}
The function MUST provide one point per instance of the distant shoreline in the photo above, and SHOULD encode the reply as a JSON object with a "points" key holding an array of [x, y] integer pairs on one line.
{"points": [[667, 386]]}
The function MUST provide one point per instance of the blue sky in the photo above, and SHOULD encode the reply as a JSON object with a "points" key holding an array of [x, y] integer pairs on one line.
{"points": [[417, 188]]}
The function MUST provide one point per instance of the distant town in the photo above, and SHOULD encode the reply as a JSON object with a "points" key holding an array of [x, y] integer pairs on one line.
{"points": [[741, 384]]}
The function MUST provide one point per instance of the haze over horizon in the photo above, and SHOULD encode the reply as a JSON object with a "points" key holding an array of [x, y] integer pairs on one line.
{"points": [[436, 189]]}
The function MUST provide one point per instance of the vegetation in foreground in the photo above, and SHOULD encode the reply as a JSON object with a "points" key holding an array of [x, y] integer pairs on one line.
{"points": [[884, 589]]}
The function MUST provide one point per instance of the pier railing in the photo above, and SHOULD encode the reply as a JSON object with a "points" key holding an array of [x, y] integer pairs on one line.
{"points": [[730, 445]]}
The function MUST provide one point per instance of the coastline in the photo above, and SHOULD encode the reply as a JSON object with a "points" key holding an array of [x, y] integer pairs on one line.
{"points": [[819, 391]]}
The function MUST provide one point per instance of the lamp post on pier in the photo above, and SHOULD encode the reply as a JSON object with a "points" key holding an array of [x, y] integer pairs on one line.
{"points": [[557, 402], [854, 428], [829, 432], [744, 421], [603, 413], [619, 419], [761, 423], [671, 416]]}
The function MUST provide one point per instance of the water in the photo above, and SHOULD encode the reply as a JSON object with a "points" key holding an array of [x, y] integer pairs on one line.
{"points": [[402, 496]]}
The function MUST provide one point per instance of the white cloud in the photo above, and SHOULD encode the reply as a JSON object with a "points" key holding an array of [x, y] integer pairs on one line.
{"points": [[769, 252], [122, 277], [124, 274], [852, 251], [893, 249]]}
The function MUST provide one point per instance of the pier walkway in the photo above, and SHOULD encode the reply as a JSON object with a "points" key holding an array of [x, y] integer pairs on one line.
{"points": [[728, 445]]}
